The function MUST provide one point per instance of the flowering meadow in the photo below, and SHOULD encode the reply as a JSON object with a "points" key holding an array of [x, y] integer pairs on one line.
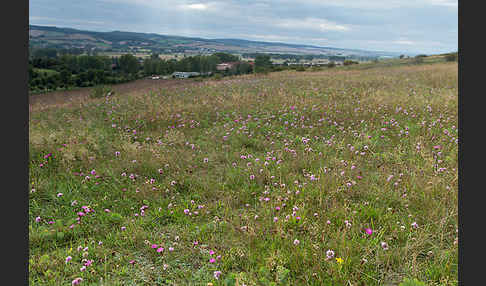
{"points": [[343, 176]]}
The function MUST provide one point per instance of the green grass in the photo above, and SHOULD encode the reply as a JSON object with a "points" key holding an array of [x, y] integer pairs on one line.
{"points": [[46, 72], [374, 148]]}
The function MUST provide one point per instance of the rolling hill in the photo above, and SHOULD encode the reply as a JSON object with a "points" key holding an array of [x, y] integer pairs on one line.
{"points": [[119, 41]]}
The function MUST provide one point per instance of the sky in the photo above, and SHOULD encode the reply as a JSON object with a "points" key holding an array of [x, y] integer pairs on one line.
{"points": [[404, 26]]}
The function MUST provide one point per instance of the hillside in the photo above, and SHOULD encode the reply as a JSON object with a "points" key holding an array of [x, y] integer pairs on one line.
{"points": [[118, 41], [335, 177]]}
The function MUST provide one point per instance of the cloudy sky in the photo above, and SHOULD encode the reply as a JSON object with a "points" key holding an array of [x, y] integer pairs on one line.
{"points": [[408, 26]]}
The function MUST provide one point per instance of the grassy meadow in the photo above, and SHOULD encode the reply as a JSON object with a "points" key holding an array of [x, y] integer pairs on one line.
{"points": [[336, 177]]}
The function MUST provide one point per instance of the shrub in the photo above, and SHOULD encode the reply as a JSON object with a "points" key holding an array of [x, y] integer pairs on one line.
{"points": [[217, 76], [100, 91], [350, 62], [300, 68], [451, 57]]}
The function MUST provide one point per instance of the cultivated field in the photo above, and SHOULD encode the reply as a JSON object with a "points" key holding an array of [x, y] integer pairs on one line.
{"points": [[337, 177]]}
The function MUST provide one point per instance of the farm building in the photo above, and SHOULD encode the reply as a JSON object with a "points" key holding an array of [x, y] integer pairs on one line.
{"points": [[225, 66], [185, 74]]}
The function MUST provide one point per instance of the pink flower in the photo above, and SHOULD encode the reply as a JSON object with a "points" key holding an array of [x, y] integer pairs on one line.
{"points": [[160, 249], [211, 252], [82, 268], [186, 211], [171, 249], [38, 219], [68, 259], [368, 231], [76, 281], [415, 224], [212, 260], [88, 263], [275, 219], [154, 246], [59, 195], [296, 242], [384, 245]]}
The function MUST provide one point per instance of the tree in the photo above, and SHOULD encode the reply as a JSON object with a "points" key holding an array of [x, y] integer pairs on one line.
{"points": [[402, 56], [129, 64], [224, 57], [65, 76], [262, 63], [244, 68]]}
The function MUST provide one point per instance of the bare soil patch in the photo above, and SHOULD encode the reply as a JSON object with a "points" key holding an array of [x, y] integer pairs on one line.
{"points": [[58, 98]]}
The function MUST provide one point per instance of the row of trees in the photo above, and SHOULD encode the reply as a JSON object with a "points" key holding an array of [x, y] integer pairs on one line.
{"points": [[199, 63], [47, 72]]}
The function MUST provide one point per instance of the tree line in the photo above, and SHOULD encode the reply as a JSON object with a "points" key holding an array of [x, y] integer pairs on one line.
{"points": [[50, 69], [66, 71]]}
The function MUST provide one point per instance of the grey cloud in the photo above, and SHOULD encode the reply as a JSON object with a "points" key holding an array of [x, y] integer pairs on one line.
{"points": [[384, 25]]}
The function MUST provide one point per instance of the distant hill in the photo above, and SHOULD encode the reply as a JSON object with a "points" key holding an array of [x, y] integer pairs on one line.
{"points": [[118, 41]]}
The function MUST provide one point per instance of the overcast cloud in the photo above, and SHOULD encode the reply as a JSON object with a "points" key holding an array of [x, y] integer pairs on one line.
{"points": [[408, 26]]}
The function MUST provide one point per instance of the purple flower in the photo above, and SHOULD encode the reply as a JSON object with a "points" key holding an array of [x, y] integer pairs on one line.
{"points": [[38, 219], [217, 274], [68, 259], [329, 254], [88, 263], [76, 281]]}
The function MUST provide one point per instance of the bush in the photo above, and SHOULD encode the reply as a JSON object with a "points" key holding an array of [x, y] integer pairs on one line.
{"points": [[350, 62], [217, 76], [451, 57], [418, 60], [300, 68], [100, 91], [331, 64]]}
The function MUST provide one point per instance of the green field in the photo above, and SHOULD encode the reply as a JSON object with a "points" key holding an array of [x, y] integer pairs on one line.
{"points": [[46, 72], [337, 177]]}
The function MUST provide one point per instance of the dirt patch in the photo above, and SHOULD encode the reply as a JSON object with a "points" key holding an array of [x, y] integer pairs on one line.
{"points": [[59, 98]]}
